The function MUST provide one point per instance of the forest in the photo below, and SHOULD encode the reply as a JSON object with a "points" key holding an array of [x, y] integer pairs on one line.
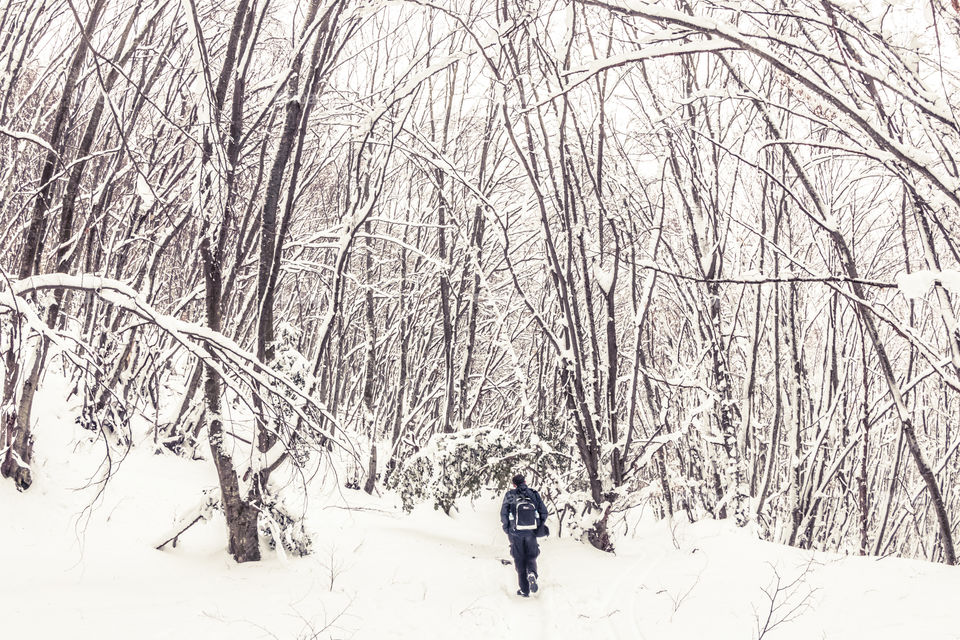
{"points": [[697, 255]]}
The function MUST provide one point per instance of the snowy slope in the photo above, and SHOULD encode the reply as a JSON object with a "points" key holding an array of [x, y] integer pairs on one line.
{"points": [[379, 573]]}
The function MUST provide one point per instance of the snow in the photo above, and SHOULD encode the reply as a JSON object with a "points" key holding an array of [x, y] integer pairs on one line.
{"points": [[377, 572], [604, 278], [919, 283], [145, 192]]}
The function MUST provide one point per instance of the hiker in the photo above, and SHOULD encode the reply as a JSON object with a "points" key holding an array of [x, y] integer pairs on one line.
{"points": [[523, 516]]}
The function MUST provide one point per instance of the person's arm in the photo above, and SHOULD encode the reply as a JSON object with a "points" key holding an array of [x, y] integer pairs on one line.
{"points": [[505, 511], [541, 508]]}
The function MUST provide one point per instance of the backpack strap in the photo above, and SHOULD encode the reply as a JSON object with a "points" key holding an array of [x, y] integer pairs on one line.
{"points": [[513, 497]]}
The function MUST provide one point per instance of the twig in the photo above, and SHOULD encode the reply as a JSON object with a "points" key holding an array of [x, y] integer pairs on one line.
{"points": [[174, 537]]}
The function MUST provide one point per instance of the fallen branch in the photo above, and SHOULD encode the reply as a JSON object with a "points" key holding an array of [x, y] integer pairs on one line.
{"points": [[203, 511]]}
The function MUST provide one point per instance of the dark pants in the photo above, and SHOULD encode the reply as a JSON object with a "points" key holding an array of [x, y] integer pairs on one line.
{"points": [[524, 549]]}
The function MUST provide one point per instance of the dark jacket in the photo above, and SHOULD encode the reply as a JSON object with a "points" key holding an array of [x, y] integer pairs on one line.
{"points": [[510, 501]]}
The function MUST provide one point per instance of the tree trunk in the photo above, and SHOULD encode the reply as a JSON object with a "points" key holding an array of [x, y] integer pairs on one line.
{"points": [[244, 542], [369, 376]]}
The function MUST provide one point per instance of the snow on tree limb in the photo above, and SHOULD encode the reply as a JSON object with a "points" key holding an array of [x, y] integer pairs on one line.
{"points": [[27, 137], [188, 334]]}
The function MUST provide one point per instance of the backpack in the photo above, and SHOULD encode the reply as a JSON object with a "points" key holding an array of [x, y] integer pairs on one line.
{"points": [[527, 517]]}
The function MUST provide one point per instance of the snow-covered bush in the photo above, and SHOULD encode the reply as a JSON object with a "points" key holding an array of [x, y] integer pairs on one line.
{"points": [[288, 360], [279, 523], [455, 465], [460, 464], [291, 364]]}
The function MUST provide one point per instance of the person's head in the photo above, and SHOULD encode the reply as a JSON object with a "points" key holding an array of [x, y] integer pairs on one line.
{"points": [[519, 480]]}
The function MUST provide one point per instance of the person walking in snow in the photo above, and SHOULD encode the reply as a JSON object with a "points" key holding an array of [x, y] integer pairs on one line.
{"points": [[523, 515]]}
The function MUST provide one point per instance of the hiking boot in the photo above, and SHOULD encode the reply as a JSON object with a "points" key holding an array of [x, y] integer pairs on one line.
{"points": [[532, 579], [522, 594]]}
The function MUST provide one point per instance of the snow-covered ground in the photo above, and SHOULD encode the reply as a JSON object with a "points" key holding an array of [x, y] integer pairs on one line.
{"points": [[376, 572]]}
